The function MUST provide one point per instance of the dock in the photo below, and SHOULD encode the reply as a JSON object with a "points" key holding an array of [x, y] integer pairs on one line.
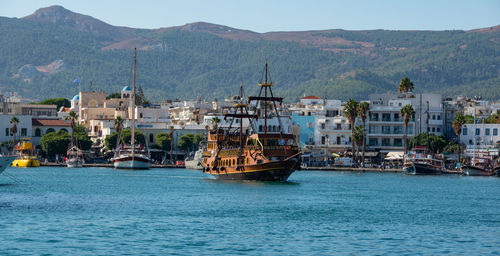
{"points": [[349, 169], [110, 165]]}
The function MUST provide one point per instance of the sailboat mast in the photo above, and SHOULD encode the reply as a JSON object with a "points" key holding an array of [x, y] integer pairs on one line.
{"points": [[132, 105]]}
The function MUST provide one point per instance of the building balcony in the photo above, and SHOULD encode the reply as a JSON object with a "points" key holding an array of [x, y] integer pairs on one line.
{"points": [[397, 134], [389, 120]]}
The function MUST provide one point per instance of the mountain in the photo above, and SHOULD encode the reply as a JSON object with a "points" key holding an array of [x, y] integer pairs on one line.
{"points": [[42, 54]]}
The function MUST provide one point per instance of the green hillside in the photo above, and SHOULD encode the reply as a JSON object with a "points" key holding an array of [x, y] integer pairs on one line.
{"points": [[186, 64]]}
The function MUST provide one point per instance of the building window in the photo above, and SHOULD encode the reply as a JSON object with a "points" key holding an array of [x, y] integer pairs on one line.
{"points": [[438, 129], [464, 131], [433, 117], [323, 140], [339, 127], [373, 142], [38, 132], [487, 131], [7, 132], [433, 129], [151, 138], [495, 131], [396, 117], [386, 142], [386, 129], [322, 125], [24, 131], [50, 130], [386, 117], [398, 142], [478, 131], [398, 129], [438, 117]]}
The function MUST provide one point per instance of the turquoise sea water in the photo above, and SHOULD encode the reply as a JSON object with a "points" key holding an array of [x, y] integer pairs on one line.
{"points": [[99, 211]]}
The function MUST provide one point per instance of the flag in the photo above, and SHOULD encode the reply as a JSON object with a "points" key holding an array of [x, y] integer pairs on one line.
{"points": [[76, 81]]}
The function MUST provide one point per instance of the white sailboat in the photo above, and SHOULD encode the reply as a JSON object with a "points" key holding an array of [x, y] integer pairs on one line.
{"points": [[128, 156], [75, 157]]}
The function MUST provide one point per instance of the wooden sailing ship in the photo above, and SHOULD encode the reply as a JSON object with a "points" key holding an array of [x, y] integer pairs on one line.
{"points": [[262, 153]]}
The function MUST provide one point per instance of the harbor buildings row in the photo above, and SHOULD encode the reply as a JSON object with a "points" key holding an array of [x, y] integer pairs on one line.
{"points": [[319, 124]]}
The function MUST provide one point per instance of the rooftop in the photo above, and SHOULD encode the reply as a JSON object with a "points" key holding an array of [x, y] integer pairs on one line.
{"points": [[49, 122]]}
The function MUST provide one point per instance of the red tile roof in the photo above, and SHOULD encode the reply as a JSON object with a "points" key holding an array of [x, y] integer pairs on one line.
{"points": [[49, 122], [310, 98]]}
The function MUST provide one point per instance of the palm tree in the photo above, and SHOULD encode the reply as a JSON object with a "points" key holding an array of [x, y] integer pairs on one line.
{"points": [[118, 127], [351, 112], [13, 130], [171, 134], [358, 136], [457, 124], [363, 109], [72, 117], [405, 86], [408, 112], [215, 122]]}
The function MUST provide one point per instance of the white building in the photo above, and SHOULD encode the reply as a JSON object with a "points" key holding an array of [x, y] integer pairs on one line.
{"points": [[385, 123], [480, 138]]}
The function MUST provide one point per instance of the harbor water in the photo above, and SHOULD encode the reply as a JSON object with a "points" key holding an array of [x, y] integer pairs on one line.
{"points": [[102, 211]]}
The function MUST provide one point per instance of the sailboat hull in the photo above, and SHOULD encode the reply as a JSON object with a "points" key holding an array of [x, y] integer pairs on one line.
{"points": [[476, 171], [132, 162], [74, 163], [5, 161], [422, 169]]}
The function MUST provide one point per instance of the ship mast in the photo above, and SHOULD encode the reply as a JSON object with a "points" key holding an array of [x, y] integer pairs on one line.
{"points": [[132, 104], [267, 85]]}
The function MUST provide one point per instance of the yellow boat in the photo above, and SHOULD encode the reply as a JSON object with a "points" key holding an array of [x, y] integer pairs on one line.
{"points": [[25, 154]]}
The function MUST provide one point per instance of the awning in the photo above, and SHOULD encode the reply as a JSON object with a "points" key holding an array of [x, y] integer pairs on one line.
{"points": [[369, 154], [395, 155]]}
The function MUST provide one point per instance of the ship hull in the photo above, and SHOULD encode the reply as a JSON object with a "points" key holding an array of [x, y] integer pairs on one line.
{"points": [[421, 169], [26, 163], [131, 162], [496, 171], [475, 171], [269, 171]]}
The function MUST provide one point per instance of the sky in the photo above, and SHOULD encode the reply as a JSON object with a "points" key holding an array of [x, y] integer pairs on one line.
{"points": [[280, 15]]}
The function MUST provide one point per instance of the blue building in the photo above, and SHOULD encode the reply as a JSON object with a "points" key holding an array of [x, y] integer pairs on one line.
{"points": [[306, 124]]}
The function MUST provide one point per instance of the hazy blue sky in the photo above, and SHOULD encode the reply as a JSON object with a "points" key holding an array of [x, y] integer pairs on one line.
{"points": [[277, 15]]}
